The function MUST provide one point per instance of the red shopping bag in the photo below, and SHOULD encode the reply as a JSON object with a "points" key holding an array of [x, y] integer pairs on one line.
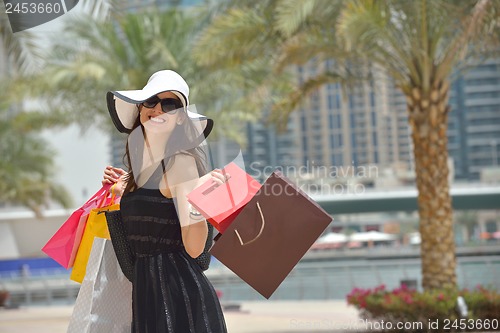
{"points": [[63, 245], [96, 226], [221, 204]]}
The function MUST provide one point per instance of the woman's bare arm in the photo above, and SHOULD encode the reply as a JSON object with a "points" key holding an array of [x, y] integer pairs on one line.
{"points": [[182, 178]]}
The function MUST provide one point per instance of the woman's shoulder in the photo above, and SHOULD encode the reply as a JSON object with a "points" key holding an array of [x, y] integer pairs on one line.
{"points": [[183, 168], [182, 158]]}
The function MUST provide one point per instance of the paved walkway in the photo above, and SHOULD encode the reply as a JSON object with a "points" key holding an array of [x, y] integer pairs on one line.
{"points": [[253, 317]]}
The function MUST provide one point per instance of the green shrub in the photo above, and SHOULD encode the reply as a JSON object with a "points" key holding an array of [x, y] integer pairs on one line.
{"points": [[483, 303], [403, 305]]}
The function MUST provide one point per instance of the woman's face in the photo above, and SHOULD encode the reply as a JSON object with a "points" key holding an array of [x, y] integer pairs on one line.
{"points": [[157, 121]]}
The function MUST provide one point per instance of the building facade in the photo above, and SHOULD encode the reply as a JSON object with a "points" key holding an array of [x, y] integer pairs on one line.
{"points": [[369, 125], [474, 131]]}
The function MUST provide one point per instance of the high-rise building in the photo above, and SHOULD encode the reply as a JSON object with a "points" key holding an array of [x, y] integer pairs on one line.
{"points": [[267, 149], [474, 131], [369, 125], [348, 128], [333, 129]]}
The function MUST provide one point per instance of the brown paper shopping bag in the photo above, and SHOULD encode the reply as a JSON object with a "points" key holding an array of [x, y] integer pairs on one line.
{"points": [[271, 234]]}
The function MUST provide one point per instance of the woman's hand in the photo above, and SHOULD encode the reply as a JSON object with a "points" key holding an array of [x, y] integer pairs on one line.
{"points": [[116, 176], [218, 177]]}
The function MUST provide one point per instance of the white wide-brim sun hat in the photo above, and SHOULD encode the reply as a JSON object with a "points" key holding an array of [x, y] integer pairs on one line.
{"points": [[122, 105]]}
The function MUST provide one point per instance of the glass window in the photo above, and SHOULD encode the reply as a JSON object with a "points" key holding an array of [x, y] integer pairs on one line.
{"points": [[331, 105], [351, 101], [372, 98]]}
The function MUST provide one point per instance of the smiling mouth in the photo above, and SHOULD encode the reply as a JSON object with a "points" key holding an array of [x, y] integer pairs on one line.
{"points": [[157, 120]]}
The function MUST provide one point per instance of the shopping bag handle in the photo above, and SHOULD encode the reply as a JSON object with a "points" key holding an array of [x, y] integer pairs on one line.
{"points": [[260, 232], [101, 191], [103, 199]]}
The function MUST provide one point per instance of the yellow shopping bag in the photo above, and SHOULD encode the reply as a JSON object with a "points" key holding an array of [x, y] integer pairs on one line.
{"points": [[96, 227]]}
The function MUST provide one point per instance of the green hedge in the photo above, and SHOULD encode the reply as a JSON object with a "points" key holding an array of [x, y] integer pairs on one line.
{"points": [[437, 310]]}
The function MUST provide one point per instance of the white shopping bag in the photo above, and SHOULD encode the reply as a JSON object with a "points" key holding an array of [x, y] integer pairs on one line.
{"points": [[104, 302]]}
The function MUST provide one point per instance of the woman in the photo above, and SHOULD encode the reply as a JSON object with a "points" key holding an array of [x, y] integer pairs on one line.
{"points": [[170, 291]]}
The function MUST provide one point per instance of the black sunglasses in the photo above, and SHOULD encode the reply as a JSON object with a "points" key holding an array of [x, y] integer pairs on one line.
{"points": [[167, 104]]}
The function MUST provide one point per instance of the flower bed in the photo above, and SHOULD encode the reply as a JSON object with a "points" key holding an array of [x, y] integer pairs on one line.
{"points": [[404, 305]]}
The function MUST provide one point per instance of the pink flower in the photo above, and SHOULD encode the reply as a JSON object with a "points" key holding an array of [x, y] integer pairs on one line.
{"points": [[407, 298]]}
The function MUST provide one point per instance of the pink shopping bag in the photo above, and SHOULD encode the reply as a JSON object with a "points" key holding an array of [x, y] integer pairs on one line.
{"points": [[221, 204], [63, 245]]}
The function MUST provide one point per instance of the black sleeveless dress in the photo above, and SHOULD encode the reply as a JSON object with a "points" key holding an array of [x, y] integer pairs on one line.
{"points": [[171, 293]]}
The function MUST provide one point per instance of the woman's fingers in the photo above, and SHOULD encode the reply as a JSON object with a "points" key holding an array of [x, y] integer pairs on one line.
{"points": [[218, 177], [112, 174], [106, 181], [119, 171]]}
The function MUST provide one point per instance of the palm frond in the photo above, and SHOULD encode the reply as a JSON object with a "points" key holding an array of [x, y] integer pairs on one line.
{"points": [[26, 167], [371, 28], [19, 51], [229, 30], [100, 10], [472, 28], [291, 14]]}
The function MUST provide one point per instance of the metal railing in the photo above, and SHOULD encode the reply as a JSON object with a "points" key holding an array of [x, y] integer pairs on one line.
{"points": [[322, 280], [39, 286], [336, 279]]}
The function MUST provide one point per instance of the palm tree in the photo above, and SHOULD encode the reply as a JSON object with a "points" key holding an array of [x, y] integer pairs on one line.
{"points": [[26, 166], [123, 53], [18, 52], [105, 54], [419, 44]]}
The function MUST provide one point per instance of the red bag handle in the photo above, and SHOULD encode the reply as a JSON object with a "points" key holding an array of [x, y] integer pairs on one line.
{"points": [[113, 196], [99, 193]]}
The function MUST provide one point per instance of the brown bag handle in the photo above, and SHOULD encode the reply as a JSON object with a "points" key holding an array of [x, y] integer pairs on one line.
{"points": [[260, 232]]}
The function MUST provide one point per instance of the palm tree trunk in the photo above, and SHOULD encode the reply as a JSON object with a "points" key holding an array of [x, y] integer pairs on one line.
{"points": [[428, 117]]}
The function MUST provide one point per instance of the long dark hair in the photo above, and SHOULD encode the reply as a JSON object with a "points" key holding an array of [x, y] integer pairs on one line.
{"points": [[171, 150]]}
